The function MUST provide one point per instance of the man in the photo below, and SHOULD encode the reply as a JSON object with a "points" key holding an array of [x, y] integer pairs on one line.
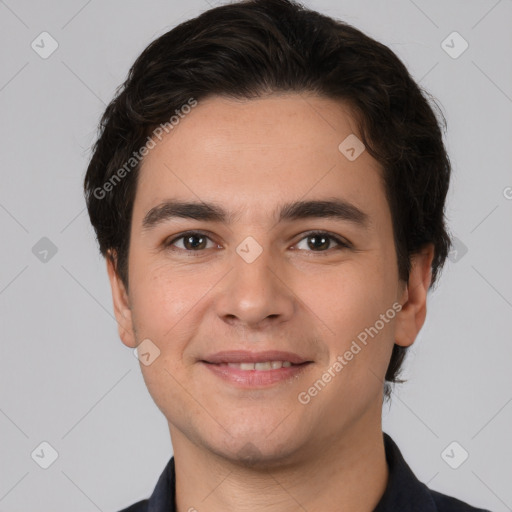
{"points": [[268, 189]]}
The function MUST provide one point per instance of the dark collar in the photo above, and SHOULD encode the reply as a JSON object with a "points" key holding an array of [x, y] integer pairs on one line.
{"points": [[404, 492]]}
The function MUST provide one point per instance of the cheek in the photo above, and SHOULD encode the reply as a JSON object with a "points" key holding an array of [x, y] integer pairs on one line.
{"points": [[159, 298], [358, 295], [353, 311], [162, 303]]}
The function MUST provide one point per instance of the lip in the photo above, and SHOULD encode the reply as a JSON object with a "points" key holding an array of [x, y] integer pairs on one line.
{"points": [[245, 356], [250, 379]]}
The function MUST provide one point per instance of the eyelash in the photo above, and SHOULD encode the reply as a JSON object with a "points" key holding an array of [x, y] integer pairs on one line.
{"points": [[341, 243]]}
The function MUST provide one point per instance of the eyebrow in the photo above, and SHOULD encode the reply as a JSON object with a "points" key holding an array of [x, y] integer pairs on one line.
{"points": [[210, 212]]}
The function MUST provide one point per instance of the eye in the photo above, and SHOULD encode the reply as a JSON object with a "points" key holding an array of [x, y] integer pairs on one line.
{"points": [[193, 241], [321, 241], [196, 241]]}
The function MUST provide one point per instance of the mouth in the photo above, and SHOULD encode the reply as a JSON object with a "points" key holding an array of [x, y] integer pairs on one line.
{"points": [[248, 357], [247, 370], [266, 365]]}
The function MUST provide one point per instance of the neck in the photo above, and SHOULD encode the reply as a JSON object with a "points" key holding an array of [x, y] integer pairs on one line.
{"points": [[351, 472]]}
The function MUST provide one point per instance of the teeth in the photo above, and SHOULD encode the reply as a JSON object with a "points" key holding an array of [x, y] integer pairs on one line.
{"points": [[267, 365]]}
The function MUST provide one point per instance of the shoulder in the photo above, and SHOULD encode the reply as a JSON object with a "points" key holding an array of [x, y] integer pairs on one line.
{"points": [[406, 493], [140, 506], [445, 503]]}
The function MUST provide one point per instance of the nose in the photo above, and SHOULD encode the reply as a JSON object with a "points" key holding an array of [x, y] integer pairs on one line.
{"points": [[256, 294]]}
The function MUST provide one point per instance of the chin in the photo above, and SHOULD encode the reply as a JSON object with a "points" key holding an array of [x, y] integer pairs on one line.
{"points": [[256, 451]]}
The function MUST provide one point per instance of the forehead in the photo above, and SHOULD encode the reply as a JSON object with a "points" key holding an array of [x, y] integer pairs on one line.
{"points": [[254, 154]]}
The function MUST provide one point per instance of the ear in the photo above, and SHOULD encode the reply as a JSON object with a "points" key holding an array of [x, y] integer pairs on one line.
{"points": [[411, 317], [122, 308]]}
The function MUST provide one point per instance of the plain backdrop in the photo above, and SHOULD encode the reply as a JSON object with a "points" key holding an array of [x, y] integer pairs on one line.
{"points": [[65, 377]]}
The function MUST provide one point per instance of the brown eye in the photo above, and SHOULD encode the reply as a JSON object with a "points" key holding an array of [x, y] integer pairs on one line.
{"points": [[320, 241], [192, 241]]}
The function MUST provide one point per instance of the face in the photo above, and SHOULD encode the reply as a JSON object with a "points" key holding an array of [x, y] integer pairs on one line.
{"points": [[254, 268]]}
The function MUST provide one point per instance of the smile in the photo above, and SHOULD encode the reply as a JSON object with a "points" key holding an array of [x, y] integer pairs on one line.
{"points": [[261, 374], [266, 365]]}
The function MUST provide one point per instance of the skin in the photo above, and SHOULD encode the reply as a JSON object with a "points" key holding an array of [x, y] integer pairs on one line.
{"points": [[246, 449]]}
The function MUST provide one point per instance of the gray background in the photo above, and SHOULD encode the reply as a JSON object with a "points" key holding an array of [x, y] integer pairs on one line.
{"points": [[67, 379]]}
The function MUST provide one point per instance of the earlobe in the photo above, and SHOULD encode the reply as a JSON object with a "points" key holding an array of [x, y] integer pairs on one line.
{"points": [[122, 309], [412, 316]]}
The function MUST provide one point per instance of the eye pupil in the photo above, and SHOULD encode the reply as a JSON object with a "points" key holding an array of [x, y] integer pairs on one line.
{"points": [[324, 242], [188, 240]]}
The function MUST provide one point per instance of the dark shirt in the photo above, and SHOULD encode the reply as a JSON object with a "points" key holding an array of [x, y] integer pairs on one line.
{"points": [[404, 492]]}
